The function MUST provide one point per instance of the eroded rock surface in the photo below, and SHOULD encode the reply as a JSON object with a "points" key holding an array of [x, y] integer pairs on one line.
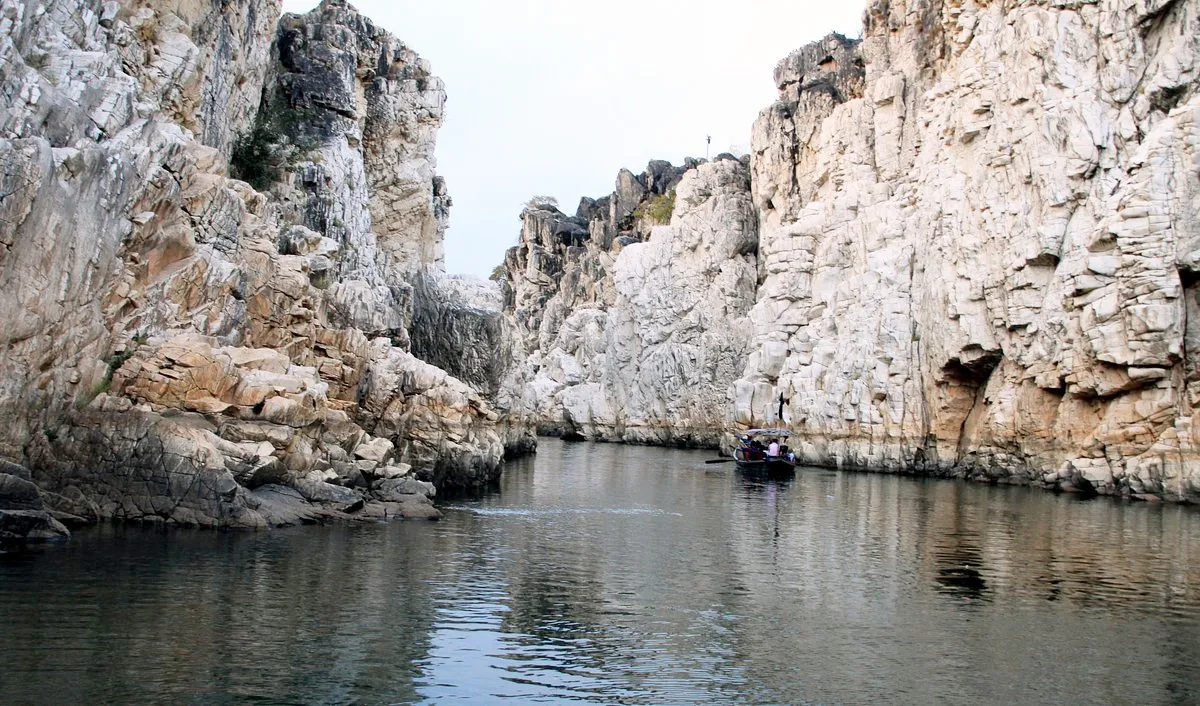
{"points": [[973, 237], [181, 346]]}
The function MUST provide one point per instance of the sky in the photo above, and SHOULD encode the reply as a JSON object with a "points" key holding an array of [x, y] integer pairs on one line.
{"points": [[554, 97]]}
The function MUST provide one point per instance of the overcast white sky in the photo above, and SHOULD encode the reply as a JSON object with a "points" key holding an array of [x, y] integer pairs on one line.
{"points": [[555, 96]]}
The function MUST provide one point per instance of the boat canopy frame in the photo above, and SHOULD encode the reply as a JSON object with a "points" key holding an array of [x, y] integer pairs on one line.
{"points": [[765, 432]]}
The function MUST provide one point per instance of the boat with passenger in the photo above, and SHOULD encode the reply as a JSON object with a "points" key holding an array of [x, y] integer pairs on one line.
{"points": [[771, 458]]}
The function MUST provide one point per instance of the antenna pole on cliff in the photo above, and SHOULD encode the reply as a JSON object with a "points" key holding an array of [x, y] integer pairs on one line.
{"points": [[708, 143]]}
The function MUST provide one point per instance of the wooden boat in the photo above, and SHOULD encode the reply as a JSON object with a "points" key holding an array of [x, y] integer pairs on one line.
{"points": [[754, 462]]}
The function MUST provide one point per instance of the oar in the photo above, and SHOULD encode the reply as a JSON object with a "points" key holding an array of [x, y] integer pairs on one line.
{"points": [[721, 460]]}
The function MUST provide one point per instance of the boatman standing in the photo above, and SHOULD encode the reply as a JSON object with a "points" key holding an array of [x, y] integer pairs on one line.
{"points": [[773, 448]]}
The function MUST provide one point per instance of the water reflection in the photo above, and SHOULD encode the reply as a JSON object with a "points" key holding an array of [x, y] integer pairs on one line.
{"points": [[614, 574]]}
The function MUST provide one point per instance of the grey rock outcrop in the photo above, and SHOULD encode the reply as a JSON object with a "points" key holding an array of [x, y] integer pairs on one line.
{"points": [[632, 330], [458, 326], [361, 112], [23, 515], [978, 245], [181, 346]]}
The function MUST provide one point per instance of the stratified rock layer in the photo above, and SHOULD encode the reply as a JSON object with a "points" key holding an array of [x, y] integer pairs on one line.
{"points": [[629, 330], [980, 244], [181, 346]]}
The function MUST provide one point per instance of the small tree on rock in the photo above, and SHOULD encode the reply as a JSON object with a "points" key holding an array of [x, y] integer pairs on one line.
{"points": [[542, 203]]}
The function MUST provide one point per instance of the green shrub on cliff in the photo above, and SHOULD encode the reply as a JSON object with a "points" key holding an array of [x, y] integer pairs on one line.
{"points": [[263, 155], [657, 209], [115, 361], [257, 157]]}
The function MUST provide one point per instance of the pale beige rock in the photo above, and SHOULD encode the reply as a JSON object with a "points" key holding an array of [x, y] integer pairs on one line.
{"points": [[375, 450]]}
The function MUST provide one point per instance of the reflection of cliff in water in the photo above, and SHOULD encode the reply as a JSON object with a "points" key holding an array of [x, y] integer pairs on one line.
{"points": [[765, 493], [215, 613], [958, 567], [955, 545], [594, 566]]}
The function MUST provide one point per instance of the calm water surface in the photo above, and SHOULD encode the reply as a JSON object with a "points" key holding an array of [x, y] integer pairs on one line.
{"points": [[630, 575]]}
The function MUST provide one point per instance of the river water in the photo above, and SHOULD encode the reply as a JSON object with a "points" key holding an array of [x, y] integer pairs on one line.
{"points": [[630, 575]]}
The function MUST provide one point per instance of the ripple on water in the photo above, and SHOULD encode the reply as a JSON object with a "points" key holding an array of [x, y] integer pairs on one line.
{"points": [[552, 512]]}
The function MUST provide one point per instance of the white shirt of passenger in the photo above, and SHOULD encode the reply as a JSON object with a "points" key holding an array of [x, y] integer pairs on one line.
{"points": [[773, 449]]}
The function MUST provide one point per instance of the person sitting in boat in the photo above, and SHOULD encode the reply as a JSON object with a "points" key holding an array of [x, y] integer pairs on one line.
{"points": [[756, 450], [773, 449], [788, 455]]}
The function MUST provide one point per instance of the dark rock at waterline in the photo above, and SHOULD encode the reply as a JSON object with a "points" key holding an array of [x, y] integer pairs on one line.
{"points": [[573, 436], [71, 507], [281, 505], [23, 517], [415, 508], [18, 493], [1076, 483], [19, 527]]}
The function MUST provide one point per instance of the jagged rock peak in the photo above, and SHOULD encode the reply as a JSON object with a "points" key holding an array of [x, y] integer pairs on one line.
{"points": [[369, 108], [832, 64]]}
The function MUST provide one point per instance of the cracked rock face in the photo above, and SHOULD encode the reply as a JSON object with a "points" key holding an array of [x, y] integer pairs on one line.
{"points": [[180, 346], [979, 233], [630, 330]]}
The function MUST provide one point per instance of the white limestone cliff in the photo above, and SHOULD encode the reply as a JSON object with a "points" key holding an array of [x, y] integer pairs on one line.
{"points": [[979, 245], [977, 241]]}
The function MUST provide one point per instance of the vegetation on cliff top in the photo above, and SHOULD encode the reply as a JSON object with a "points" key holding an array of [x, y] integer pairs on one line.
{"points": [[540, 202]]}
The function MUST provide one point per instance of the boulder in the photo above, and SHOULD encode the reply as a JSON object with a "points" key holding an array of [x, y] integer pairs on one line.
{"points": [[325, 493], [19, 527], [375, 450], [398, 489]]}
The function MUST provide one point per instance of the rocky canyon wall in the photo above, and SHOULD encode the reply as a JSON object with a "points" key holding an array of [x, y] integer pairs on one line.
{"points": [[178, 345], [979, 241], [970, 248]]}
